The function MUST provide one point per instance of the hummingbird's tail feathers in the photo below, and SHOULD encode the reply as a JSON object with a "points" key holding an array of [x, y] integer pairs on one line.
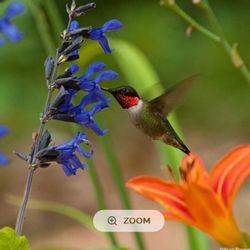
{"points": [[176, 142], [171, 137], [185, 149]]}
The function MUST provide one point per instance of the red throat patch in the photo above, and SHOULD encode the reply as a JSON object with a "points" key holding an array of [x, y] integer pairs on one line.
{"points": [[127, 101]]}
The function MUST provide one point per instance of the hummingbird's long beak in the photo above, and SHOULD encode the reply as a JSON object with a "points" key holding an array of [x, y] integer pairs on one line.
{"points": [[107, 89]]}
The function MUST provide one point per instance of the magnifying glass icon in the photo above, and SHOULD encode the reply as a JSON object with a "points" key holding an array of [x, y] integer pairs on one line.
{"points": [[112, 220]]}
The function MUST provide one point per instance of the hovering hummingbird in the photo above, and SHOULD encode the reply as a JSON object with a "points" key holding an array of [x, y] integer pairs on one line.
{"points": [[150, 116]]}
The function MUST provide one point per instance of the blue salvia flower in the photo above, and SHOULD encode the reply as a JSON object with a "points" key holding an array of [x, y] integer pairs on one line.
{"points": [[98, 34], [7, 27], [87, 84], [3, 159], [79, 114], [83, 117], [65, 154], [67, 157]]}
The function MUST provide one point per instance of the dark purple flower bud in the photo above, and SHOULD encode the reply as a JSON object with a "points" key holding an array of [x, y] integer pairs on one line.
{"points": [[84, 8], [71, 70], [75, 45], [68, 83], [84, 32], [69, 51], [49, 66]]}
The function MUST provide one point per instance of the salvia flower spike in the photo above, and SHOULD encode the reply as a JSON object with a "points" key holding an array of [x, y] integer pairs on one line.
{"points": [[60, 106]]}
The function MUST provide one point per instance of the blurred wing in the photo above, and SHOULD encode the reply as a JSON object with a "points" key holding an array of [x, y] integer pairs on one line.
{"points": [[165, 103]]}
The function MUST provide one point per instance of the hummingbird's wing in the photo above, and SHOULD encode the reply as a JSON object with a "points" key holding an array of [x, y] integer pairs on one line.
{"points": [[165, 103]]}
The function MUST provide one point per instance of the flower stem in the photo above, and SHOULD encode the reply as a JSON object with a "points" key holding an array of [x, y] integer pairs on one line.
{"points": [[119, 181], [21, 213], [225, 43], [101, 204], [35, 146], [231, 50], [27, 190], [176, 8]]}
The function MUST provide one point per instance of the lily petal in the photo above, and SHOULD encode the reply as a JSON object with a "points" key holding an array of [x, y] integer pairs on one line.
{"points": [[228, 174], [211, 216], [168, 194]]}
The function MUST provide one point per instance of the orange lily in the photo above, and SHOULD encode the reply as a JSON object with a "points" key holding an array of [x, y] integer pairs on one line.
{"points": [[200, 199]]}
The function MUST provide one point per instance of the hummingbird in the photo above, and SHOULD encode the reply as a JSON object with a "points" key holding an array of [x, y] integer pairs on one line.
{"points": [[150, 116]]}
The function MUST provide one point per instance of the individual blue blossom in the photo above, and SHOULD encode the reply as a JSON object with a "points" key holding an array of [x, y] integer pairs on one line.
{"points": [[65, 154], [67, 157], [88, 84], [92, 69], [85, 118], [7, 27], [3, 159], [99, 35]]}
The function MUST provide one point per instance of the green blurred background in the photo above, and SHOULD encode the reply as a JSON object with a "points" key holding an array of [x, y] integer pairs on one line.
{"points": [[214, 116]]}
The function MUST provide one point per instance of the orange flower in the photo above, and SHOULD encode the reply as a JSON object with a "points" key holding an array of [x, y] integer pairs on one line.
{"points": [[200, 199]]}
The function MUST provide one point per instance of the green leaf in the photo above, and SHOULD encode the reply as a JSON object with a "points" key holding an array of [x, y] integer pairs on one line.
{"points": [[246, 238], [9, 240], [68, 211], [42, 26]]}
